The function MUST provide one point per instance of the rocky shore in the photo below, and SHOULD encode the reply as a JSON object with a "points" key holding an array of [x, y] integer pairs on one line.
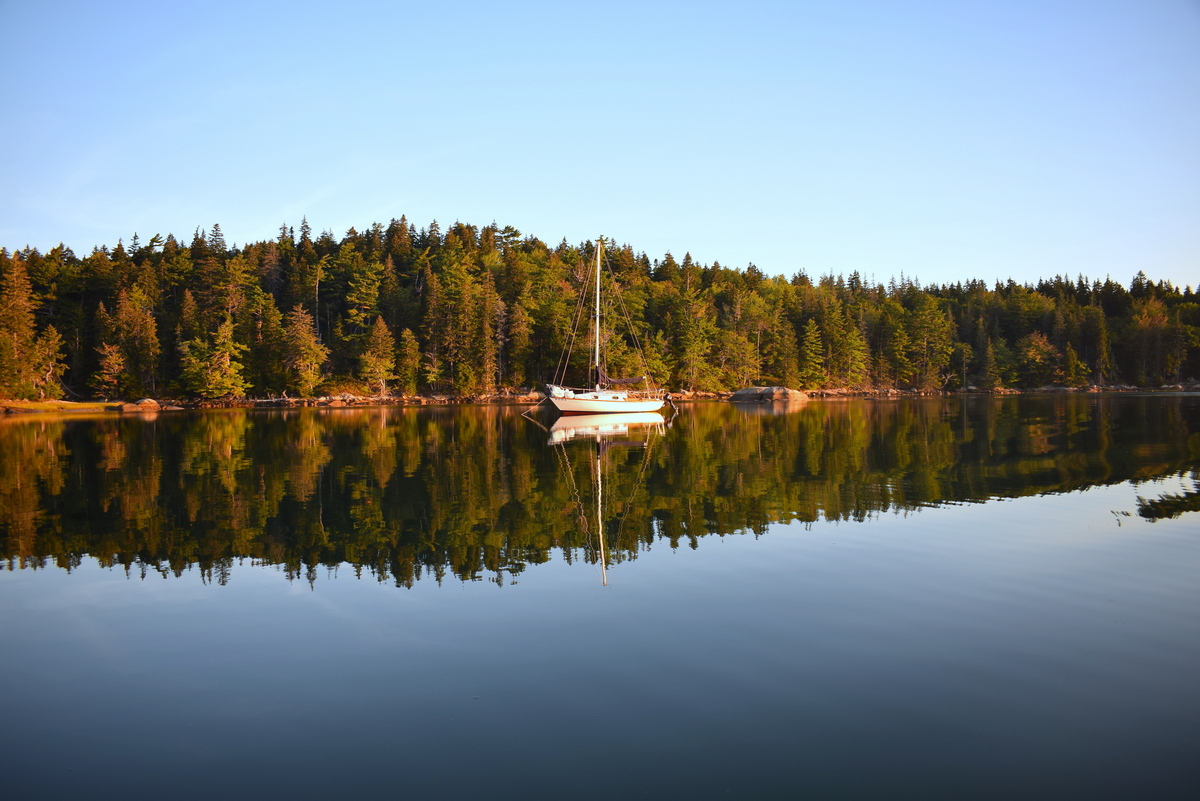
{"points": [[748, 395]]}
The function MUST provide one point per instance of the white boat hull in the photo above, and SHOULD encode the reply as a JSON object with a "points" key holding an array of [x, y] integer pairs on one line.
{"points": [[600, 425], [605, 403]]}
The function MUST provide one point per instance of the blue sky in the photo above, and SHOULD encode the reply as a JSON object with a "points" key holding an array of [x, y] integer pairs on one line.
{"points": [[942, 141]]}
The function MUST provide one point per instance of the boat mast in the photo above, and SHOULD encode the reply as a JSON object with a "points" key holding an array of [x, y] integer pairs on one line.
{"points": [[599, 248]]}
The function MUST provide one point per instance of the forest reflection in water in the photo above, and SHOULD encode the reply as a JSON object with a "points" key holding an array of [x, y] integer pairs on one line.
{"points": [[479, 492]]}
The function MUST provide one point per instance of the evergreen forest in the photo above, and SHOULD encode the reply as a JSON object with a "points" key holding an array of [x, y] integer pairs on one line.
{"points": [[472, 312]]}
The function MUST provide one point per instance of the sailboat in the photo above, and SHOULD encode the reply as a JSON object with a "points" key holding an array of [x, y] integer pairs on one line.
{"points": [[602, 398]]}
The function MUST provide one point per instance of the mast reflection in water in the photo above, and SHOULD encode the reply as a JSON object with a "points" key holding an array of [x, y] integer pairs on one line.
{"points": [[604, 429]]}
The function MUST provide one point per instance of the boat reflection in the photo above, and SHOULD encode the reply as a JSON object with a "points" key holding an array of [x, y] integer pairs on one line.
{"points": [[599, 426]]}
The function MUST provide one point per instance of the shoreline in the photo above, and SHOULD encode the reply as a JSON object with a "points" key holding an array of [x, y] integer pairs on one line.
{"points": [[146, 405]]}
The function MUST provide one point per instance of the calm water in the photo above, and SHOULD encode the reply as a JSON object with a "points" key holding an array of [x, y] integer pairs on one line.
{"points": [[944, 598]]}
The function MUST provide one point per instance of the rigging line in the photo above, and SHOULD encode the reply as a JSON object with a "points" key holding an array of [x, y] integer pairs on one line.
{"points": [[637, 484], [565, 462], [564, 356], [580, 314], [564, 359], [527, 414], [628, 320]]}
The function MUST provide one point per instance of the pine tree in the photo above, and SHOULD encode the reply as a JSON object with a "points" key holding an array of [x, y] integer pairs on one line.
{"points": [[190, 326], [655, 350], [391, 296], [16, 329], [459, 326], [216, 242], [260, 327], [1148, 327], [695, 335], [989, 373], [210, 366], [1038, 360], [812, 357], [305, 355], [488, 346], [107, 379], [894, 362], [433, 325], [960, 361], [399, 242], [408, 366], [1179, 339], [845, 348], [363, 280], [30, 363], [520, 339], [307, 276], [1097, 351], [782, 352], [932, 342], [46, 364], [377, 363], [1074, 372], [132, 332]]}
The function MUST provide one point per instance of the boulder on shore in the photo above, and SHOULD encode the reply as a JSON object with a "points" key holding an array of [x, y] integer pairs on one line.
{"points": [[144, 405], [767, 395]]}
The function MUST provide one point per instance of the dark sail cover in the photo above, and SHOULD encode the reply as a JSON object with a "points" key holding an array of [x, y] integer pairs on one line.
{"points": [[605, 378]]}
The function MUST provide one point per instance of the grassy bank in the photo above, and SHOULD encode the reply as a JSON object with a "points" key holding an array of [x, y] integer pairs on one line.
{"points": [[18, 406]]}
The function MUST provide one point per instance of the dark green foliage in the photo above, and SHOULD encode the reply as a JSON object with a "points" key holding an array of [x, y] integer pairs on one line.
{"points": [[488, 309]]}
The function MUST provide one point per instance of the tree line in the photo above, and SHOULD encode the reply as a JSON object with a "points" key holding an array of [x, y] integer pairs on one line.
{"points": [[479, 310]]}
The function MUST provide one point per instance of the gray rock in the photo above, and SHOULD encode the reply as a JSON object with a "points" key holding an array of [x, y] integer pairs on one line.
{"points": [[767, 395]]}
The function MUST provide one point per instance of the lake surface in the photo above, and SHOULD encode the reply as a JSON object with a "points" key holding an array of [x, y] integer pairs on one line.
{"points": [[935, 598]]}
